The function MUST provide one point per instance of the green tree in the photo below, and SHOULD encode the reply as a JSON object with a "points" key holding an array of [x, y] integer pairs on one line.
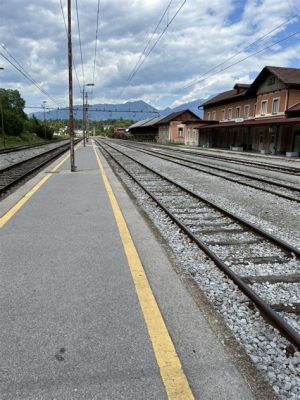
{"points": [[34, 126], [13, 112]]}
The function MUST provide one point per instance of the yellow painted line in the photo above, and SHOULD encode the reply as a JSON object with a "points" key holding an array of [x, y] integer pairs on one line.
{"points": [[173, 377], [10, 213]]}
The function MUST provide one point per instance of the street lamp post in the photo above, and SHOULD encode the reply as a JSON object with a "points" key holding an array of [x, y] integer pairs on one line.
{"points": [[84, 112], [2, 118]]}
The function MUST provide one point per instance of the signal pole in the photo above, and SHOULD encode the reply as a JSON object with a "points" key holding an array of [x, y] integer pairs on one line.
{"points": [[71, 117]]}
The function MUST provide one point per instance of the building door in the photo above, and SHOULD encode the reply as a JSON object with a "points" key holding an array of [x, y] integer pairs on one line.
{"points": [[296, 146]]}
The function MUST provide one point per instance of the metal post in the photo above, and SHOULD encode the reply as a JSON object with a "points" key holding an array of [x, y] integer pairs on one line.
{"points": [[2, 118], [83, 116], [71, 118], [44, 106], [86, 118], [2, 122], [84, 112]]}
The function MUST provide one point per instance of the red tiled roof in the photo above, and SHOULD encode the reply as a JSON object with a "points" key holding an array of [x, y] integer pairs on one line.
{"points": [[228, 95], [296, 107], [174, 115], [288, 76]]}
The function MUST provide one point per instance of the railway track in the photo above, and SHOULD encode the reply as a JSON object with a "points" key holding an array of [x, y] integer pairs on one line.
{"points": [[240, 249], [14, 174], [232, 160], [8, 150], [278, 188]]}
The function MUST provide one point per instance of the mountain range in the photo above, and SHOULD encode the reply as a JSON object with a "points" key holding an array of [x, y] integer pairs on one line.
{"points": [[135, 110]]}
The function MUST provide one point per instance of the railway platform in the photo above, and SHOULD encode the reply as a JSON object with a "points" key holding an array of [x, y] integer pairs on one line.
{"points": [[91, 305]]}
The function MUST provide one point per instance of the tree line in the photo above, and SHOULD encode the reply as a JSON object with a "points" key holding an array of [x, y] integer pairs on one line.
{"points": [[15, 121]]}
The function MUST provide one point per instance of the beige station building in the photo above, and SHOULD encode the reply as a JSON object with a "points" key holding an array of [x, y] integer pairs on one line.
{"points": [[263, 116]]}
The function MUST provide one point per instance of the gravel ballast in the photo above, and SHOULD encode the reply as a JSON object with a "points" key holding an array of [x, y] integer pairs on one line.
{"points": [[265, 346]]}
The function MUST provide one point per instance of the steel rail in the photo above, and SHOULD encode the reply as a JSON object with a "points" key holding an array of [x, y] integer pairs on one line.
{"points": [[254, 164], [56, 153], [280, 185], [276, 320], [8, 150], [284, 245]]}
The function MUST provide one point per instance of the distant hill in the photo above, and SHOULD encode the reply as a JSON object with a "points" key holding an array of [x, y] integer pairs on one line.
{"points": [[134, 110], [193, 106]]}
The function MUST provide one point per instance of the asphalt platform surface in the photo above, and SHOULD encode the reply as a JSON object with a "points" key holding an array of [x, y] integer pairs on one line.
{"points": [[71, 323]]}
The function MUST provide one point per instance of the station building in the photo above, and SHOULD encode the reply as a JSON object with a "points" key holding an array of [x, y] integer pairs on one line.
{"points": [[263, 116], [173, 128]]}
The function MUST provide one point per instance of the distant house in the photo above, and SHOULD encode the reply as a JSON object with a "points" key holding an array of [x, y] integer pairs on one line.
{"points": [[144, 130], [171, 128], [263, 116], [119, 130]]}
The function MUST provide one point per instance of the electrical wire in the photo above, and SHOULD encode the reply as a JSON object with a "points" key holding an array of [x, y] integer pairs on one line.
{"points": [[79, 37], [96, 41], [63, 15], [23, 72], [199, 79], [153, 46], [149, 41], [249, 56]]}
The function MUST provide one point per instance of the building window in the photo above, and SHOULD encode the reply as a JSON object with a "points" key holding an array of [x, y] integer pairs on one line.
{"points": [[263, 107], [271, 80], [208, 116], [180, 132], [246, 111], [254, 112], [214, 115], [222, 115], [238, 112], [229, 113], [275, 106]]}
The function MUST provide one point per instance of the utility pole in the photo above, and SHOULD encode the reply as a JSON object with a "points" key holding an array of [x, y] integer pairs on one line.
{"points": [[2, 118], [44, 107], [84, 111], [86, 118], [83, 116], [71, 117]]}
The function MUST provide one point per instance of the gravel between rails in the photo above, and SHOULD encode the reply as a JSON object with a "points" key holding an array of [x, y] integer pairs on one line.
{"points": [[278, 216], [265, 346], [11, 158], [277, 176]]}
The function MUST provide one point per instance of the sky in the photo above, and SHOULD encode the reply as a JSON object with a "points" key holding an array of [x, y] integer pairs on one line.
{"points": [[195, 52]]}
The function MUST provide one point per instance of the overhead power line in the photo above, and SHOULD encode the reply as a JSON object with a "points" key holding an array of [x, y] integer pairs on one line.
{"points": [[78, 108], [96, 40], [149, 41], [208, 72], [154, 45], [23, 72], [79, 38], [249, 56], [65, 23]]}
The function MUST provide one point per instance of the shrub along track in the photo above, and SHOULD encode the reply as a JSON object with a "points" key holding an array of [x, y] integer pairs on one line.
{"points": [[230, 241], [278, 188]]}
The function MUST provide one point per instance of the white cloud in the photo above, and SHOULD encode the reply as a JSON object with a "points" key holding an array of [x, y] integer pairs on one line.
{"points": [[203, 35]]}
